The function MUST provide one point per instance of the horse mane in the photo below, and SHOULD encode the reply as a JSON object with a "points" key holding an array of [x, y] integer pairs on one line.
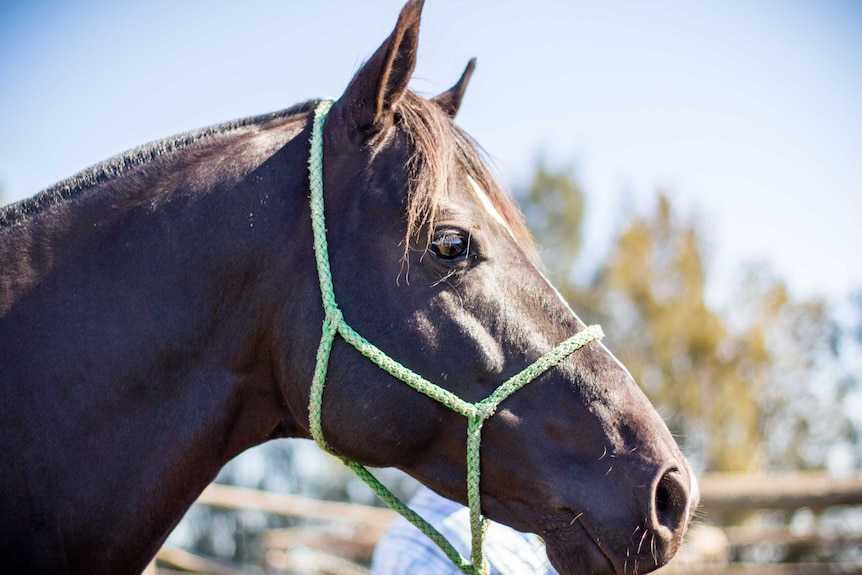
{"points": [[116, 166], [438, 145]]}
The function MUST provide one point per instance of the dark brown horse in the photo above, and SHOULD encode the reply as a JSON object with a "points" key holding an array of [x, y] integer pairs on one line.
{"points": [[160, 313]]}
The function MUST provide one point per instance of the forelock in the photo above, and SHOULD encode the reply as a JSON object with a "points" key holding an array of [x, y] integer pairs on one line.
{"points": [[439, 148]]}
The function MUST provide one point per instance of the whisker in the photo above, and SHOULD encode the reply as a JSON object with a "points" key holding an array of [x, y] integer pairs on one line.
{"points": [[654, 549], [640, 545]]}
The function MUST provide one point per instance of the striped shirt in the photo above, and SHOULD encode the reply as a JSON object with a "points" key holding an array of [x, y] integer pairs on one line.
{"points": [[405, 550]]}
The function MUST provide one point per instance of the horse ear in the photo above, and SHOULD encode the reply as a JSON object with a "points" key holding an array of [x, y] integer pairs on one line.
{"points": [[368, 104], [450, 100]]}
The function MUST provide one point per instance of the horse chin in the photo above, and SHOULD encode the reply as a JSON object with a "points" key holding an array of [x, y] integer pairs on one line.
{"points": [[573, 551]]}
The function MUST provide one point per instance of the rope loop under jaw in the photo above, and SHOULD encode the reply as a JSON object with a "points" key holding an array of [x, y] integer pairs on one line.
{"points": [[476, 413]]}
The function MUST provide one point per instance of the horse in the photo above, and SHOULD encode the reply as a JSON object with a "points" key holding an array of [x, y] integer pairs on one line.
{"points": [[160, 313]]}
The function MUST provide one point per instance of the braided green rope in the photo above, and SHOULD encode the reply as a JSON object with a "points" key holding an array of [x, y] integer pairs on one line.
{"points": [[476, 413]]}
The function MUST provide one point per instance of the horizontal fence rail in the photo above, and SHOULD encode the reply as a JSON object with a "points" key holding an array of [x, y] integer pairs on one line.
{"points": [[738, 491], [230, 497]]}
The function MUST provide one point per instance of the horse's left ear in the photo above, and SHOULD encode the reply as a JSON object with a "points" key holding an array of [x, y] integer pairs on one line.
{"points": [[368, 105], [450, 100]]}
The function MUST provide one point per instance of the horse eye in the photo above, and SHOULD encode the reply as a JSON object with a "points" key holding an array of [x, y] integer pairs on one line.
{"points": [[451, 245]]}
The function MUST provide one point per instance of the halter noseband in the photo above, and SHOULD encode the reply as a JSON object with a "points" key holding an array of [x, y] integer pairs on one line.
{"points": [[476, 413]]}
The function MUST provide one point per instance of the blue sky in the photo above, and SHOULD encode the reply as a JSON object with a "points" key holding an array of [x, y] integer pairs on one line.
{"points": [[747, 114]]}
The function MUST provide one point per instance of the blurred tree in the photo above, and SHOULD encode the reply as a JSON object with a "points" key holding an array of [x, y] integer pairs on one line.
{"points": [[652, 291], [743, 387], [801, 382], [553, 205]]}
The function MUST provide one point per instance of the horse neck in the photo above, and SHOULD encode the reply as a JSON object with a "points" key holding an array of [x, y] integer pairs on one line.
{"points": [[138, 346]]}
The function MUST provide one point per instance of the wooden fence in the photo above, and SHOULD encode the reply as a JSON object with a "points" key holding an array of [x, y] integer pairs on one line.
{"points": [[741, 513], [738, 513]]}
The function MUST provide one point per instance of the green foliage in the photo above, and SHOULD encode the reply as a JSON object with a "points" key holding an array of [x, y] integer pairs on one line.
{"points": [[750, 385]]}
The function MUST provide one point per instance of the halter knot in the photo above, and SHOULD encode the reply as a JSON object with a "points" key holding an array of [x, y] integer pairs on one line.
{"points": [[484, 411], [334, 315]]}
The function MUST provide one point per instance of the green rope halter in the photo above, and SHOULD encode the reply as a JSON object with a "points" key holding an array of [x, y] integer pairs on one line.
{"points": [[476, 413]]}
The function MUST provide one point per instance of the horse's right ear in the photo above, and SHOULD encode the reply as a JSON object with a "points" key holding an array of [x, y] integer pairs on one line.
{"points": [[367, 106]]}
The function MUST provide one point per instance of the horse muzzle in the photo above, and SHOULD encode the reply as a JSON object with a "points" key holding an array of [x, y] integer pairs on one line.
{"points": [[625, 532]]}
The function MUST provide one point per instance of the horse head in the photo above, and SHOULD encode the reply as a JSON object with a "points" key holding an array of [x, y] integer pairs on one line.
{"points": [[431, 262]]}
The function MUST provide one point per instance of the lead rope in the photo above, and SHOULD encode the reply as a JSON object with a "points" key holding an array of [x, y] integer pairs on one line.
{"points": [[476, 413]]}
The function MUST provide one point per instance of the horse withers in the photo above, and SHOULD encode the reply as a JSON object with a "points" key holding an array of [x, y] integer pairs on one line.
{"points": [[161, 312]]}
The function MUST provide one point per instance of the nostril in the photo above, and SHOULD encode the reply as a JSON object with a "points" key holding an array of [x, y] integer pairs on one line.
{"points": [[671, 500]]}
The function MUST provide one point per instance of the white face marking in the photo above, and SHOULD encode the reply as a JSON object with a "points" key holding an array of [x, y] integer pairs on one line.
{"points": [[483, 198]]}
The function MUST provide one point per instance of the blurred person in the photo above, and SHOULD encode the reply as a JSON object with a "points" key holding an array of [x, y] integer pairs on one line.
{"points": [[404, 550]]}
